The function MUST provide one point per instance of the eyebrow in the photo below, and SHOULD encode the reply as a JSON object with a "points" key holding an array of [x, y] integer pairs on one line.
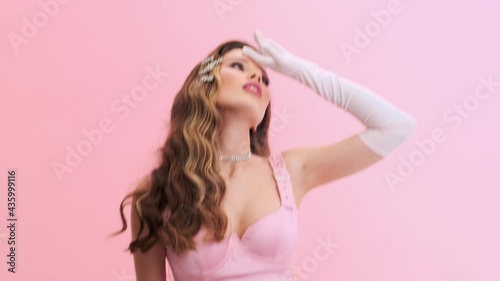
{"points": [[246, 60]]}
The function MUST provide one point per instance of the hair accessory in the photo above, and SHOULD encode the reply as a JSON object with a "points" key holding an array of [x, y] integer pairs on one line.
{"points": [[236, 158], [211, 63]]}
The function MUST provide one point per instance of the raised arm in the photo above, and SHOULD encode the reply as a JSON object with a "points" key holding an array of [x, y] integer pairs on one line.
{"points": [[387, 127]]}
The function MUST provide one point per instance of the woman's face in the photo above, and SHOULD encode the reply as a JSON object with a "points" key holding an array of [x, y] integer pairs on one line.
{"points": [[244, 87]]}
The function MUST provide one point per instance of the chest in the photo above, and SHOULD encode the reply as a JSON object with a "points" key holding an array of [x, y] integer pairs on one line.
{"points": [[249, 198]]}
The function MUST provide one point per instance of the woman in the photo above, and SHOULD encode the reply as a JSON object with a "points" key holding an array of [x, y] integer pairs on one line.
{"points": [[220, 206]]}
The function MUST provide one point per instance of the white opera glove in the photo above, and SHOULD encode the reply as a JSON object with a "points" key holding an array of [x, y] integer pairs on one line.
{"points": [[387, 127]]}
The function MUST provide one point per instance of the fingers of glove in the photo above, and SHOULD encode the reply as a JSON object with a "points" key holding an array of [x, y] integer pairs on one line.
{"points": [[270, 47], [261, 40], [276, 46], [275, 52], [261, 59]]}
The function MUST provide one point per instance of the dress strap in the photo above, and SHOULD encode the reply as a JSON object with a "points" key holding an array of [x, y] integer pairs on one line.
{"points": [[282, 177]]}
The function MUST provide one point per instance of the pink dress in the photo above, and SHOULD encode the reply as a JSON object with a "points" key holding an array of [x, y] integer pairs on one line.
{"points": [[264, 252]]}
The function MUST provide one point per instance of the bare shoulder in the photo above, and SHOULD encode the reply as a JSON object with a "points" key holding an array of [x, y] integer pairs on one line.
{"points": [[314, 166]]}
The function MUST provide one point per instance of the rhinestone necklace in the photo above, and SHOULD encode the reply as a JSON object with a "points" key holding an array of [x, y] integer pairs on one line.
{"points": [[236, 158]]}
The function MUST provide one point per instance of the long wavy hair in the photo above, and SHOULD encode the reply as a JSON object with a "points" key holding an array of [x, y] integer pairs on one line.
{"points": [[187, 182]]}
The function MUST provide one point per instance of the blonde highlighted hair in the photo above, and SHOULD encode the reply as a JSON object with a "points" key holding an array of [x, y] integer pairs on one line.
{"points": [[187, 181]]}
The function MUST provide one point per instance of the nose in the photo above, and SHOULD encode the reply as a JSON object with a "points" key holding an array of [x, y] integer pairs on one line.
{"points": [[256, 76]]}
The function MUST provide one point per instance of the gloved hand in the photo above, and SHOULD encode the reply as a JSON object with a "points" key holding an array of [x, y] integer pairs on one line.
{"points": [[274, 56], [387, 126]]}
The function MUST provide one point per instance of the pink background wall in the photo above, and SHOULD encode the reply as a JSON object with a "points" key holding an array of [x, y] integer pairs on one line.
{"points": [[65, 67]]}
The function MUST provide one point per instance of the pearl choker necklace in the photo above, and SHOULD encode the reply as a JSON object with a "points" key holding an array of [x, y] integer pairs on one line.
{"points": [[236, 158]]}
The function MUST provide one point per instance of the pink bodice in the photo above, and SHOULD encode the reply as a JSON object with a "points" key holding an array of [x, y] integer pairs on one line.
{"points": [[264, 252]]}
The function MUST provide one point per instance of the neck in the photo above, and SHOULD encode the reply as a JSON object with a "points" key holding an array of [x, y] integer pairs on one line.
{"points": [[234, 139]]}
